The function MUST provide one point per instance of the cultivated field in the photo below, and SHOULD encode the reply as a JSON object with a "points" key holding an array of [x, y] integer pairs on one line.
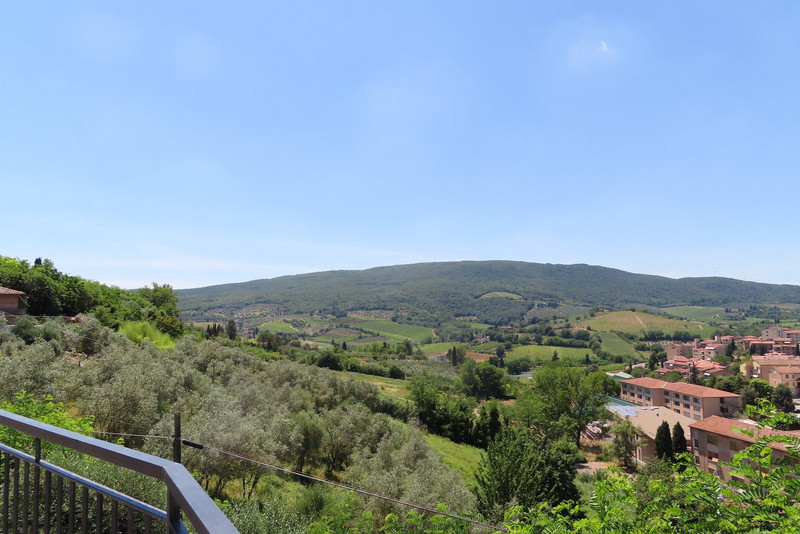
{"points": [[400, 332], [544, 353], [639, 322], [501, 295], [696, 313], [614, 344], [392, 387], [277, 327]]}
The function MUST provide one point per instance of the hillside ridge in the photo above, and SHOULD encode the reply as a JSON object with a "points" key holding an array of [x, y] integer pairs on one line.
{"points": [[452, 289]]}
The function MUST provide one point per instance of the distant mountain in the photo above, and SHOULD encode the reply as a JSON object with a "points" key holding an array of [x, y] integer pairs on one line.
{"points": [[452, 289]]}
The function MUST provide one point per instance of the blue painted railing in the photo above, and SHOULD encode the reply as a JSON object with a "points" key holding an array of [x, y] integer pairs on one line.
{"points": [[38, 496]]}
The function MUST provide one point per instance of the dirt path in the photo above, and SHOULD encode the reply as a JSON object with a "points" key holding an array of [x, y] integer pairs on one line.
{"points": [[640, 321]]}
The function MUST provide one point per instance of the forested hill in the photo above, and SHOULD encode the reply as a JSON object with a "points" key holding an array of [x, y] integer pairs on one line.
{"points": [[490, 290]]}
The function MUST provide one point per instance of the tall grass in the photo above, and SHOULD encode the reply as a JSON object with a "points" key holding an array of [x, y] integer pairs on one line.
{"points": [[138, 331]]}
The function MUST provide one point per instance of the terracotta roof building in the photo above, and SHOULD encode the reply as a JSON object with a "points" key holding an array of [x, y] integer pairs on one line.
{"points": [[690, 400], [12, 302], [716, 440], [647, 419]]}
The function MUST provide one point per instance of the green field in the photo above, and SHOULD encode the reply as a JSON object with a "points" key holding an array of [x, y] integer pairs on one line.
{"points": [[696, 313], [400, 332], [462, 458], [479, 326], [544, 353], [639, 322], [277, 327], [501, 295], [614, 344], [392, 387]]}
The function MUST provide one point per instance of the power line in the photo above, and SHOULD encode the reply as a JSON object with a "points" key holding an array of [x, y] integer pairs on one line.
{"points": [[356, 490], [198, 445]]}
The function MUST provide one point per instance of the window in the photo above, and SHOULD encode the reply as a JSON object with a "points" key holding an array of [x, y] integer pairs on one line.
{"points": [[696, 408], [712, 439], [686, 397], [647, 399], [695, 399], [638, 389], [685, 405], [696, 418], [646, 390], [696, 443]]}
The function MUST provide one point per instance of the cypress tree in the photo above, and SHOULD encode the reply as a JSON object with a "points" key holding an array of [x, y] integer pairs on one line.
{"points": [[663, 442], [678, 440]]}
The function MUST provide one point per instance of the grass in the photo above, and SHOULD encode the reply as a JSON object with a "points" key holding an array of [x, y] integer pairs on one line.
{"points": [[544, 353], [501, 295], [138, 331], [696, 313], [479, 326], [614, 344], [462, 458], [278, 327], [392, 387], [398, 331], [639, 322]]}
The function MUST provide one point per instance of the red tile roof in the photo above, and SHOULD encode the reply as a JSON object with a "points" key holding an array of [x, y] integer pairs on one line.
{"points": [[786, 370], [698, 391], [7, 291], [680, 387], [725, 427], [647, 382]]}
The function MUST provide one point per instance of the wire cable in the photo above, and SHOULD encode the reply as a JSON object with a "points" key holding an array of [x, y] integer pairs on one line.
{"points": [[199, 445]]}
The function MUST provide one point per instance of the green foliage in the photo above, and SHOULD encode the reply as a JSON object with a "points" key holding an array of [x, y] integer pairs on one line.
{"points": [[678, 440], [623, 445], [44, 410], [52, 293], [443, 413], [563, 401], [782, 398], [663, 442], [139, 331], [524, 468]]}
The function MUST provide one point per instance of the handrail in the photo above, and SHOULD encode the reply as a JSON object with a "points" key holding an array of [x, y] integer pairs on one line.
{"points": [[182, 489]]}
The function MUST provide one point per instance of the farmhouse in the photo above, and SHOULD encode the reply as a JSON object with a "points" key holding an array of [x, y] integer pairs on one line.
{"points": [[12, 302]]}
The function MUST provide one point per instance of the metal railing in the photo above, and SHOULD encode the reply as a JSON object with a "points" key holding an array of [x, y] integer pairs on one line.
{"points": [[38, 496]]}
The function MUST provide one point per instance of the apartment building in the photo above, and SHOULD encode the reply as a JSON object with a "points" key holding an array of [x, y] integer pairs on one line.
{"points": [[762, 366], [788, 376], [716, 440], [689, 400]]}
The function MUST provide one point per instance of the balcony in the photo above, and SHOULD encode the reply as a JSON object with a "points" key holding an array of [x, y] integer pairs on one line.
{"points": [[38, 496]]}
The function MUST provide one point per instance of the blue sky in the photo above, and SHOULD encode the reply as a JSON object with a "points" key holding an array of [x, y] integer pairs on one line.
{"points": [[195, 143]]}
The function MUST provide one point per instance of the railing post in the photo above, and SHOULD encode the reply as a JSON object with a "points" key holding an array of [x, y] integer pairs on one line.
{"points": [[176, 439], [174, 522], [173, 510]]}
